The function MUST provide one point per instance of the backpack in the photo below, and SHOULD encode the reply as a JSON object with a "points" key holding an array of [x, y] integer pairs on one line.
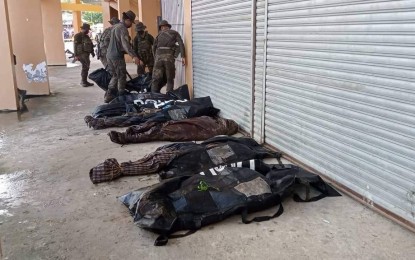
{"points": [[189, 203]]}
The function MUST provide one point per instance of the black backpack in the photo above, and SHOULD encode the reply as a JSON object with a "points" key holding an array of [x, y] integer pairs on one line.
{"points": [[189, 203]]}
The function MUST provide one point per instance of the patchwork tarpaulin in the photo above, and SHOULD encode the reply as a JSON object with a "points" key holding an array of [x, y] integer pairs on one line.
{"points": [[169, 110], [190, 129], [181, 159], [189, 203]]}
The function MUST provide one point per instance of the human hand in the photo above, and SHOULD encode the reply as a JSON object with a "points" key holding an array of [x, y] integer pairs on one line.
{"points": [[136, 60], [183, 61]]}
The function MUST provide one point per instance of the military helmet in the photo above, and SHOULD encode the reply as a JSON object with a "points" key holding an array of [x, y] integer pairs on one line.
{"points": [[129, 15], [164, 23], [140, 27], [86, 26], [114, 20]]}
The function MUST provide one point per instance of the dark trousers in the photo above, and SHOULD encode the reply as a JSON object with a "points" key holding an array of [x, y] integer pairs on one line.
{"points": [[84, 59], [164, 72]]}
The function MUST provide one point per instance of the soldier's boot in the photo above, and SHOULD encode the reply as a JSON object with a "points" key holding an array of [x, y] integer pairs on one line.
{"points": [[109, 95], [84, 81]]}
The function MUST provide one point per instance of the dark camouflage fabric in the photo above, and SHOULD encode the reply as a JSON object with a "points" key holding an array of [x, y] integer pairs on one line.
{"points": [[142, 45], [191, 129], [104, 42], [164, 71], [168, 39], [83, 47], [164, 48], [118, 70], [82, 44], [119, 43]]}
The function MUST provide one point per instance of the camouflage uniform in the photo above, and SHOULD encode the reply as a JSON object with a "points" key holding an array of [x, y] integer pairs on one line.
{"points": [[83, 47], [142, 46], [164, 48], [118, 46], [104, 41]]}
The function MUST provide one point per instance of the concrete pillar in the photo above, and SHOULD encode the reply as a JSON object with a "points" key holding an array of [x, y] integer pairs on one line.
{"points": [[106, 13], [77, 18], [149, 10], [187, 9], [28, 46], [8, 88], [52, 31]]}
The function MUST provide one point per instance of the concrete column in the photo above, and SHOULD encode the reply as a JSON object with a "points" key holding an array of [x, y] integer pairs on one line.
{"points": [[187, 9], [8, 87], [77, 19], [28, 46], [52, 31], [106, 13], [149, 10]]}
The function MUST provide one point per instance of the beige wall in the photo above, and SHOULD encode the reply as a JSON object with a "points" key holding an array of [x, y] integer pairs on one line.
{"points": [[28, 44], [187, 9], [148, 12], [8, 100], [52, 31]]}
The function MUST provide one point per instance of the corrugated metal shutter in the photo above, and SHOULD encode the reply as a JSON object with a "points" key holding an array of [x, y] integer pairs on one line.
{"points": [[172, 11], [222, 56], [340, 93]]}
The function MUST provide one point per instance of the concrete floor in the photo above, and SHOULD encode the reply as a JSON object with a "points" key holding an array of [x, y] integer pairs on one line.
{"points": [[49, 209]]}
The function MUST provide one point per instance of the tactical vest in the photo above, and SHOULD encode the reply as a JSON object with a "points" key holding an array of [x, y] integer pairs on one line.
{"points": [[87, 45], [105, 40], [143, 43]]}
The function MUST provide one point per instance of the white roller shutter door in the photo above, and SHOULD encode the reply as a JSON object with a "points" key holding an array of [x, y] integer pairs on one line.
{"points": [[340, 93], [221, 31]]}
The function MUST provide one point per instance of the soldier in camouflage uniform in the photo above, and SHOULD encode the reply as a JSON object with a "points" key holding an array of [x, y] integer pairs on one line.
{"points": [[104, 41], [83, 47], [118, 46], [142, 45], [164, 49]]}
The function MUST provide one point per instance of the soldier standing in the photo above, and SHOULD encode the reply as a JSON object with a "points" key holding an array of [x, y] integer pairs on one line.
{"points": [[164, 49], [83, 47], [104, 41], [118, 46], [142, 45]]}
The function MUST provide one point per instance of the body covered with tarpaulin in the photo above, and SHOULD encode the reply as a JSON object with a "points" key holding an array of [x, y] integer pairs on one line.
{"points": [[162, 112], [189, 203], [181, 159], [190, 129]]}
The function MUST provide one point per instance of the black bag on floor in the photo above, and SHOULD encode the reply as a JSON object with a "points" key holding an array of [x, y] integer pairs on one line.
{"points": [[139, 84], [189, 203], [101, 77]]}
